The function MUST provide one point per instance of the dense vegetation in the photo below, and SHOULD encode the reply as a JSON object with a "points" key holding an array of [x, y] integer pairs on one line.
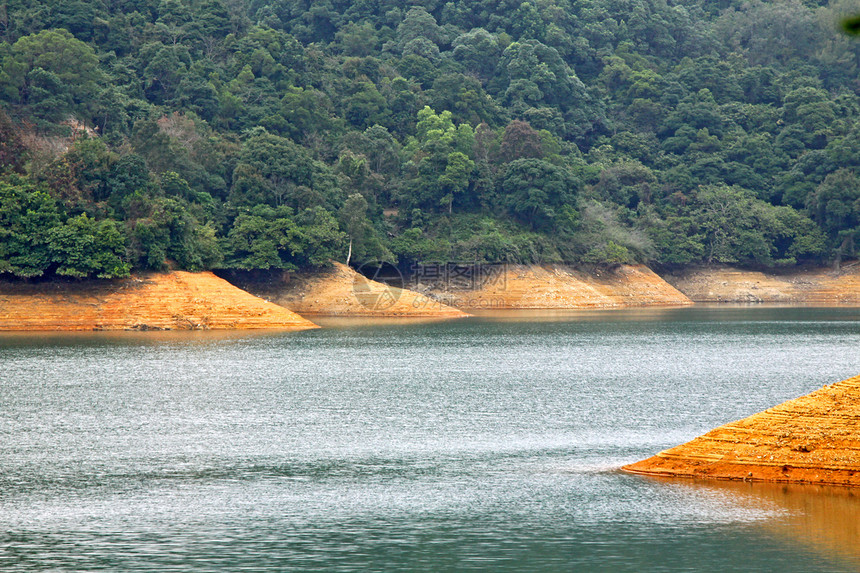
{"points": [[279, 134]]}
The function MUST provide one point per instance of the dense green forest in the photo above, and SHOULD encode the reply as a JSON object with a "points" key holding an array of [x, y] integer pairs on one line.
{"points": [[251, 134]]}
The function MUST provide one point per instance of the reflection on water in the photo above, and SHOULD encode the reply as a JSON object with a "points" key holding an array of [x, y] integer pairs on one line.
{"points": [[341, 322], [722, 312], [823, 518], [24, 340], [488, 443]]}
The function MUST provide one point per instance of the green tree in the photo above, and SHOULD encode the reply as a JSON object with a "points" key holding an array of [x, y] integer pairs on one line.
{"points": [[478, 51], [353, 218], [739, 228], [83, 247], [271, 170], [418, 25], [357, 39], [465, 98], [129, 176], [53, 72], [267, 237], [165, 234], [306, 111], [166, 67], [27, 216], [534, 75], [455, 180], [441, 161], [835, 205], [536, 192], [627, 184]]}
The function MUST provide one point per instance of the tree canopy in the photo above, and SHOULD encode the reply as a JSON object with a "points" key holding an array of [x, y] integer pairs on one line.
{"points": [[205, 134]]}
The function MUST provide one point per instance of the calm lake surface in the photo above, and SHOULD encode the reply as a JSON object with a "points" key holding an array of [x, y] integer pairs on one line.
{"points": [[490, 443]]}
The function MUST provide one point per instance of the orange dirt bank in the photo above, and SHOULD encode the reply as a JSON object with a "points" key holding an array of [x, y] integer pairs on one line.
{"points": [[822, 286], [563, 287], [814, 439], [156, 301], [341, 291]]}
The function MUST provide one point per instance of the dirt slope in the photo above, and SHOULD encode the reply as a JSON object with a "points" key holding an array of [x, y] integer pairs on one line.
{"points": [[340, 291], [813, 439], [158, 301], [557, 287], [809, 286]]}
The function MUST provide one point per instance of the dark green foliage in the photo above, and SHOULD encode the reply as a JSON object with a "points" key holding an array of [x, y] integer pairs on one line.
{"points": [[414, 246], [729, 225], [537, 192], [52, 74], [27, 216], [267, 237], [486, 240], [851, 25], [478, 51], [35, 238], [166, 233], [205, 133], [835, 205], [84, 247], [364, 240], [128, 177]]}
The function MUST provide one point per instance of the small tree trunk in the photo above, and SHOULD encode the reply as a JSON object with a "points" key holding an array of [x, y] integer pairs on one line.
{"points": [[349, 253], [846, 248]]}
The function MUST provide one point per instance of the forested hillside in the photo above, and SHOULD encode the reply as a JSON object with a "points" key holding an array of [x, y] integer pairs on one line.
{"points": [[251, 134]]}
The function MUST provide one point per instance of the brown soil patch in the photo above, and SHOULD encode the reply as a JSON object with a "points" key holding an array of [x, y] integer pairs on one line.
{"points": [[158, 301], [814, 439], [559, 287], [340, 291], [807, 286]]}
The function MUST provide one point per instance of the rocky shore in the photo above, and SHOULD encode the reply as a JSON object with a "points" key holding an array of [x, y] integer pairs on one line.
{"points": [[176, 300]]}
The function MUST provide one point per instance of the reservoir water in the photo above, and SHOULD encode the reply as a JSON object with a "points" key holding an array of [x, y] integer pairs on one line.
{"points": [[485, 444]]}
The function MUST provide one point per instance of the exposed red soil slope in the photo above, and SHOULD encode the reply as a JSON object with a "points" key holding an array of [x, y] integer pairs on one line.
{"points": [[809, 286], [814, 439], [341, 291], [158, 301], [560, 287]]}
